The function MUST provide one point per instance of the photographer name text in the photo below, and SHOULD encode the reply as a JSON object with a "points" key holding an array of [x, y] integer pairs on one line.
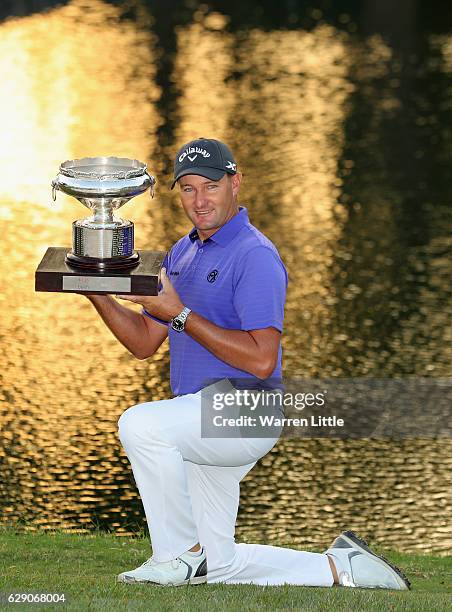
{"points": [[272, 421]]}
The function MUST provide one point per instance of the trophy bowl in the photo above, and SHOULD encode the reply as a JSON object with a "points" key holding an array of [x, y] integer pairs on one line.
{"points": [[103, 184]]}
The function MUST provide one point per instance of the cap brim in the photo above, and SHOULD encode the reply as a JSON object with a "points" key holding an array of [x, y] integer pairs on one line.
{"points": [[214, 174]]}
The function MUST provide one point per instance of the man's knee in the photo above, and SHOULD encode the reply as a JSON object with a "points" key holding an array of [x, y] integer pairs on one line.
{"points": [[137, 422], [126, 424]]}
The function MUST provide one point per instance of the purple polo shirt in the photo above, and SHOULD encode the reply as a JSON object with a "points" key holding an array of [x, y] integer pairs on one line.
{"points": [[235, 279]]}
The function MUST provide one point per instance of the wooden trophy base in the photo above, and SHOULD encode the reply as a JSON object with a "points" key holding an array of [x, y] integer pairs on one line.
{"points": [[54, 274]]}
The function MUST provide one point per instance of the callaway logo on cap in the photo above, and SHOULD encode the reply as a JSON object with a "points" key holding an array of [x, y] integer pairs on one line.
{"points": [[204, 157]]}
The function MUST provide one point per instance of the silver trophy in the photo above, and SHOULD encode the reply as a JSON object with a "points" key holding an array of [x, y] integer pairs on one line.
{"points": [[103, 184], [102, 245]]}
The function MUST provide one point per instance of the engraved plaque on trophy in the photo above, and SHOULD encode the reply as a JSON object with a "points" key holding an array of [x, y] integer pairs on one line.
{"points": [[102, 258]]}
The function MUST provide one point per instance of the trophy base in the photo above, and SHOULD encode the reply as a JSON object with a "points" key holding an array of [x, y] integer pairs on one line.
{"points": [[56, 275], [92, 263]]}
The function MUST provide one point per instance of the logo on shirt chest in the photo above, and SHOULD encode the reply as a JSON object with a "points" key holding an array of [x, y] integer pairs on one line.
{"points": [[212, 276]]}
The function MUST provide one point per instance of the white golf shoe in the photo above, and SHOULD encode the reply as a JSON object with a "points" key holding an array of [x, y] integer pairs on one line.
{"points": [[358, 566], [189, 568]]}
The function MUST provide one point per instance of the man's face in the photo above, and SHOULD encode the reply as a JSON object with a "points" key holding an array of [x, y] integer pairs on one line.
{"points": [[209, 204]]}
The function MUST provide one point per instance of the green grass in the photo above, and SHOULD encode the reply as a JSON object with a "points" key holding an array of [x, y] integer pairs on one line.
{"points": [[84, 567]]}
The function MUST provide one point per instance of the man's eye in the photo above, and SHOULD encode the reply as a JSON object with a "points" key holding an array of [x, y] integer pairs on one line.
{"points": [[212, 187]]}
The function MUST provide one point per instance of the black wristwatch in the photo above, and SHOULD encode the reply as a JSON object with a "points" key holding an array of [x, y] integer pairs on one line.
{"points": [[178, 323]]}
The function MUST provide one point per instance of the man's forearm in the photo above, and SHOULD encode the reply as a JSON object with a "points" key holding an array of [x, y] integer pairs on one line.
{"points": [[236, 347], [254, 351], [126, 325]]}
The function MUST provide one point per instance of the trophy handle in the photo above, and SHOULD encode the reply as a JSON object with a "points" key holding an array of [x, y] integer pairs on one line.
{"points": [[54, 189], [152, 179]]}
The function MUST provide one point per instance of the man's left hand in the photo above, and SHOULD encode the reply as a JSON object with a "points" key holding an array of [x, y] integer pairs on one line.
{"points": [[166, 305]]}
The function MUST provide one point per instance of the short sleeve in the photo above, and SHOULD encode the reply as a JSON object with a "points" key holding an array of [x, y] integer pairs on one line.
{"points": [[165, 265], [260, 289]]}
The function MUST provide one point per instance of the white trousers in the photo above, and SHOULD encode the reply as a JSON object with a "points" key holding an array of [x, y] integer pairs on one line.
{"points": [[189, 487]]}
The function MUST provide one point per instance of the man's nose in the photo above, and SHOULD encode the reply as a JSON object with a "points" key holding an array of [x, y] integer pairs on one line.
{"points": [[201, 199]]}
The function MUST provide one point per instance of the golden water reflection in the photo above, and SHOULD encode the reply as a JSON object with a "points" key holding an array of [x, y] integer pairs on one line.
{"points": [[358, 305], [66, 379]]}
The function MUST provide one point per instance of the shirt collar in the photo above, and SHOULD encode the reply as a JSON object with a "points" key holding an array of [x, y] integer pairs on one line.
{"points": [[226, 233]]}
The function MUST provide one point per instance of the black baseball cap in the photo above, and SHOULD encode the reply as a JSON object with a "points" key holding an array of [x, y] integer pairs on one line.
{"points": [[205, 157]]}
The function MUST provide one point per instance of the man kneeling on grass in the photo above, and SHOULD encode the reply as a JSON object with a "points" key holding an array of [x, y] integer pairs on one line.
{"points": [[223, 313]]}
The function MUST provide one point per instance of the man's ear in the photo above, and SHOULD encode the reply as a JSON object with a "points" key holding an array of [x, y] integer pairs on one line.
{"points": [[236, 180]]}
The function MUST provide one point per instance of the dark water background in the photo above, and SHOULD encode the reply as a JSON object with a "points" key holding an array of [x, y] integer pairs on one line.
{"points": [[340, 117]]}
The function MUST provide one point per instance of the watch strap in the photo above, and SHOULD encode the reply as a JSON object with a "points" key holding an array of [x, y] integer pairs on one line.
{"points": [[182, 317]]}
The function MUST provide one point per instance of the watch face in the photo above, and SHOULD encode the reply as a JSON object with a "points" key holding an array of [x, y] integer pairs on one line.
{"points": [[178, 325]]}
